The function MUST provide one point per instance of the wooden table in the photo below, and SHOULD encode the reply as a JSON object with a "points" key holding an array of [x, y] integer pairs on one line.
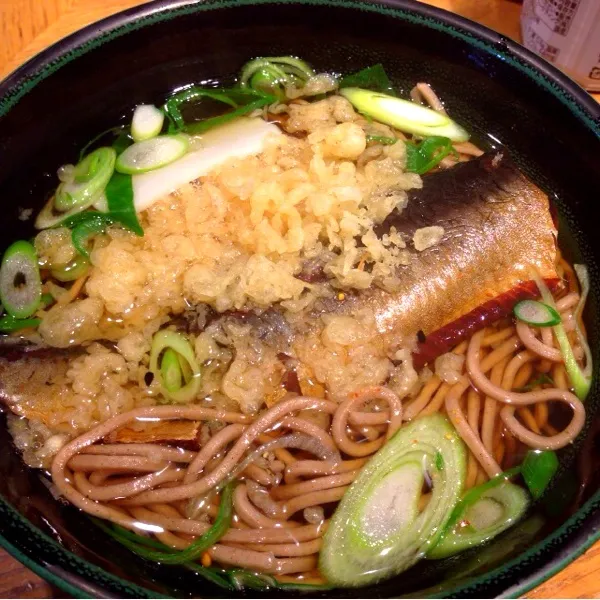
{"points": [[28, 26]]}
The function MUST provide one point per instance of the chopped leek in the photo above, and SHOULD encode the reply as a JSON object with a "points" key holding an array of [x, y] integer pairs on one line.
{"points": [[381, 139], [584, 282], [78, 267], [377, 530], [404, 114], [538, 468], [242, 101], [20, 284], [147, 122], [483, 513], [542, 379], [171, 371], [580, 380], [536, 313], [270, 75], [371, 78], [8, 324], [162, 341], [49, 217], [152, 154], [91, 176], [230, 579], [426, 155], [206, 124], [119, 193], [93, 225], [119, 200]]}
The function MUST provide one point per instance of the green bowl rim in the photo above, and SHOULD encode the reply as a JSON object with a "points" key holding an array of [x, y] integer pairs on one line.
{"points": [[43, 65]]}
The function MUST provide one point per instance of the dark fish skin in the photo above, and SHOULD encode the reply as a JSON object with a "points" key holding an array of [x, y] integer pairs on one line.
{"points": [[497, 226]]}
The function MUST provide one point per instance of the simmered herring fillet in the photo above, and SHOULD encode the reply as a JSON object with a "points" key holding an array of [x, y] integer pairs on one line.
{"points": [[497, 227]]}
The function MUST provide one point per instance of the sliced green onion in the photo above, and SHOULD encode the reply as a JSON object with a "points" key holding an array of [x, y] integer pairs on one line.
{"points": [[121, 209], [229, 579], [170, 370], [584, 283], [404, 114], [81, 233], [372, 78], [162, 341], [536, 313], [152, 154], [483, 513], [46, 300], [427, 154], [20, 284], [272, 74], [78, 267], [381, 139], [202, 126], [542, 379], [91, 176], [538, 469], [147, 122], [115, 132], [218, 529], [192, 95], [49, 217], [579, 380], [8, 324], [377, 530]]}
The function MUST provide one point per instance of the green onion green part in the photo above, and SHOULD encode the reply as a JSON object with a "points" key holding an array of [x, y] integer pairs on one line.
{"points": [[9, 324], [119, 193], [90, 178], [538, 468], [170, 370], [536, 313], [542, 379], [377, 530], [78, 267], [206, 124], [239, 101], [46, 300], [271, 75], [371, 78], [81, 233], [579, 379], [381, 139], [404, 115], [483, 513], [20, 284], [423, 156], [162, 341], [584, 283]]}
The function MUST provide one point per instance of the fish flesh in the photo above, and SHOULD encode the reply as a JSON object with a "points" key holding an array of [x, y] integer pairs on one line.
{"points": [[497, 228]]}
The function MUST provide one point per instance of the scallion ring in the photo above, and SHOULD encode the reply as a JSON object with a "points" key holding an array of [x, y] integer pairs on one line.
{"points": [[90, 178], [536, 313], [20, 284], [78, 267], [152, 154], [175, 386]]}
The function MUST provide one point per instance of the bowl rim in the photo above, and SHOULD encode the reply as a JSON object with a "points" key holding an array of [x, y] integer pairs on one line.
{"points": [[26, 77]]}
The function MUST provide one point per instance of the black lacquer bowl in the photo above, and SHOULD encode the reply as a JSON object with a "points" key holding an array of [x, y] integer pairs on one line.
{"points": [[504, 94]]}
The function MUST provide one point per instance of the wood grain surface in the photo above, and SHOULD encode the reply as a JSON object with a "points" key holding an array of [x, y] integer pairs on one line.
{"points": [[29, 26]]}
